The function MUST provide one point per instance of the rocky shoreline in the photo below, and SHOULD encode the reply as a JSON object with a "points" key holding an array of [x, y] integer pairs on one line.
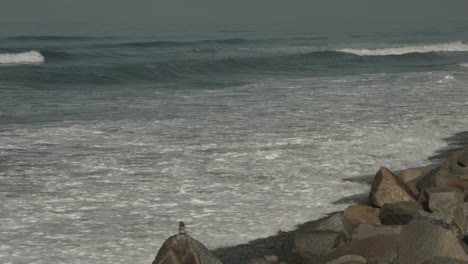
{"points": [[409, 217]]}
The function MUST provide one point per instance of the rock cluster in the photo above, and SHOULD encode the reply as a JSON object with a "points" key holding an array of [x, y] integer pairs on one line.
{"points": [[413, 218]]}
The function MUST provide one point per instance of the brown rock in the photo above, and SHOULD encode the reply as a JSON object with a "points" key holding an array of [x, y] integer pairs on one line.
{"points": [[375, 242], [310, 246], [439, 199], [365, 231], [421, 241], [363, 213], [336, 222], [445, 260], [348, 259], [410, 175], [183, 249], [388, 188], [410, 178], [400, 213], [453, 173]]}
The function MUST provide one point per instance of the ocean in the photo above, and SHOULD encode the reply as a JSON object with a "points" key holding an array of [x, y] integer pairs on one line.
{"points": [[110, 135]]}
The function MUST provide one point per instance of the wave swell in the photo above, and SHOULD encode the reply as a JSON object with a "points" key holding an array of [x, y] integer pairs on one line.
{"points": [[444, 47], [30, 57]]}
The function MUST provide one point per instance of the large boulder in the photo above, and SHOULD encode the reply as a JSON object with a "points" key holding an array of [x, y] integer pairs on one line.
{"points": [[310, 246], [445, 260], [336, 222], [453, 172], [183, 249], [439, 199], [400, 213], [421, 241], [410, 178], [363, 214], [376, 243], [348, 259], [388, 188]]}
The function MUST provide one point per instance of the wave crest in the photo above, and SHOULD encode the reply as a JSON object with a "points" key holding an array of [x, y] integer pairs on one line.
{"points": [[444, 47], [30, 57]]}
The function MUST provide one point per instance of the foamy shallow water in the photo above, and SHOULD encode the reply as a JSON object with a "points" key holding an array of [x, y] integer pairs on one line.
{"points": [[234, 164], [109, 137]]}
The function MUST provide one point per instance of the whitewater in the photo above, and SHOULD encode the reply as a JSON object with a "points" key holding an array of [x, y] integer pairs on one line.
{"points": [[111, 136], [21, 58]]}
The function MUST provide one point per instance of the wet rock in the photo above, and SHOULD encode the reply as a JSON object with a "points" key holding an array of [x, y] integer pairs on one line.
{"points": [[388, 188], [400, 213], [421, 241], [183, 249], [348, 259], [439, 199], [363, 213], [310, 246]]}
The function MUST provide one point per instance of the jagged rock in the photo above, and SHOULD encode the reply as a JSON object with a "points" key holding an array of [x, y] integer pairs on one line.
{"points": [[183, 249], [365, 231], [375, 243], [310, 246], [410, 175], [363, 213], [388, 188], [410, 178], [271, 258], [399, 213], [452, 218], [421, 241], [453, 173], [445, 260], [348, 259], [439, 199], [259, 261], [336, 222]]}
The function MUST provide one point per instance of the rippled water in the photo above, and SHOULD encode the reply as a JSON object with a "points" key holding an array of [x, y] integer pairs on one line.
{"points": [[113, 137]]}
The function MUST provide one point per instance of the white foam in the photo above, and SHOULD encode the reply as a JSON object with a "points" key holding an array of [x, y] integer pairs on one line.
{"points": [[464, 65], [30, 57], [443, 47]]}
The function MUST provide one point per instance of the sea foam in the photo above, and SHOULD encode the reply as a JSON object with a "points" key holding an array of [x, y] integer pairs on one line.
{"points": [[30, 57], [443, 47]]}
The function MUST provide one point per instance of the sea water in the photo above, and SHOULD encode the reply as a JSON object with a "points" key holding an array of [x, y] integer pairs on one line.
{"points": [[109, 135]]}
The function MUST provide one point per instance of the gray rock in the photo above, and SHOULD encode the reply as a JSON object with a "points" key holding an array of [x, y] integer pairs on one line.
{"points": [[421, 241], [183, 249], [399, 213], [388, 188]]}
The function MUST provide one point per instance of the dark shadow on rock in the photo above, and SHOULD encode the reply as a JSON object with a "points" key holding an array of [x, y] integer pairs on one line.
{"points": [[455, 142], [258, 248]]}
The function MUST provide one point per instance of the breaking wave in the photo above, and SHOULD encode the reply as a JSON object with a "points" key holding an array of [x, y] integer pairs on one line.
{"points": [[444, 47], [464, 65], [30, 57]]}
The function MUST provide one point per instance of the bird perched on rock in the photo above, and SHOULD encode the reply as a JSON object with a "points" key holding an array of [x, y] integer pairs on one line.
{"points": [[182, 228]]}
